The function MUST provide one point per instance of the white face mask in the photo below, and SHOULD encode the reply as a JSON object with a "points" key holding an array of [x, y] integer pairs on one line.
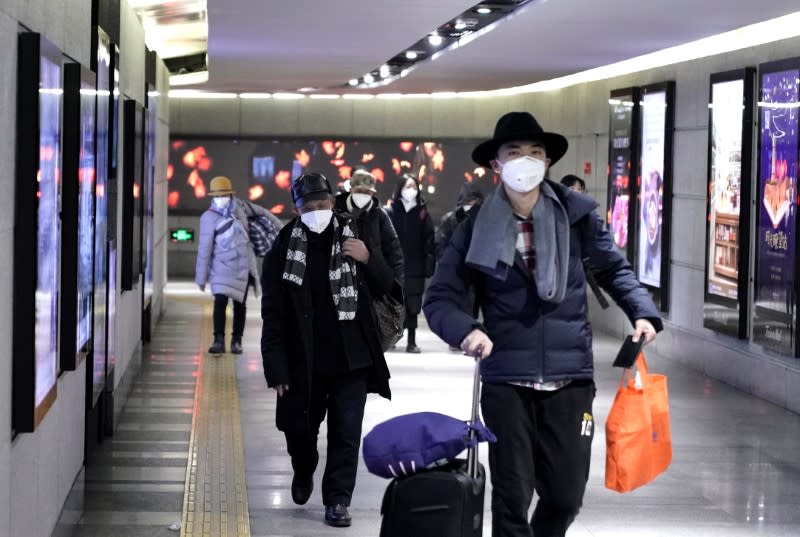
{"points": [[221, 203], [361, 200], [467, 208], [523, 174], [410, 194], [317, 221]]}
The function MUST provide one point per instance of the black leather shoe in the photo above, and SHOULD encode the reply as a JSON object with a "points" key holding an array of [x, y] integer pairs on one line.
{"points": [[218, 347], [337, 516], [236, 345], [302, 488], [412, 349]]}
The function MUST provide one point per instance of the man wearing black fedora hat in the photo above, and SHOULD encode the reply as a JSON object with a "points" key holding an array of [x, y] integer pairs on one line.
{"points": [[319, 341], [522, 252]]}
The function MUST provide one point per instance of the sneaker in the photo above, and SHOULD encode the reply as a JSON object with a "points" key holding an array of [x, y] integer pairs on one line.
{"points": [[236, 345], [413, 349]]}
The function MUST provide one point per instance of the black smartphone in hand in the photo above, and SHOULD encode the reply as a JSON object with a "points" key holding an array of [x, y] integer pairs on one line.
{"points": [[628, 352]]}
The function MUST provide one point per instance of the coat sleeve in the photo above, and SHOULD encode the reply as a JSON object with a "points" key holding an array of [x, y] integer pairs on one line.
{"points": [[273, 344], [205, 247], [451, 282], [392, 251], [614, 273], [443, 234], [430, 246]]}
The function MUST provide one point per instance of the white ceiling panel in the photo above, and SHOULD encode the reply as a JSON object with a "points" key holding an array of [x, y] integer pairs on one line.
{"points": [[270, 46]]}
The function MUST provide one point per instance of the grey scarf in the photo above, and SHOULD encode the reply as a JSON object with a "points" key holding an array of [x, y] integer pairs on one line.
{"points": [[494, 241]]}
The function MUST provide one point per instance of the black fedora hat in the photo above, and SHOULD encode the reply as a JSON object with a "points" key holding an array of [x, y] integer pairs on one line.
{"points": [[309, 187], [519, 126]]}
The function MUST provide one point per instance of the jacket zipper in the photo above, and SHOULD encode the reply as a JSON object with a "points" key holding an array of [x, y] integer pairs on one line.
{"points": [[541, 353]]}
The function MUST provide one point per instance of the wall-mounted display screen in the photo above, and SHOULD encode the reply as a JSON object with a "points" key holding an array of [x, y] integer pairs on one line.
{"points": [[774, 325], [262, 170], [86, 178], [77, 215], [653, 207], [104, 90], [728, 231], [151, 119], [37, 231], [622, 168], [48, 234]]}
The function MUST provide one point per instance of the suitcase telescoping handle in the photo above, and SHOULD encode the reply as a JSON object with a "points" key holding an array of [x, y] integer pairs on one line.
{"points": [[472, 453]]}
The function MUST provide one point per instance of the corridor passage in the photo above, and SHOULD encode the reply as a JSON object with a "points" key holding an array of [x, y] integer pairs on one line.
{"points": [[735, 473]]}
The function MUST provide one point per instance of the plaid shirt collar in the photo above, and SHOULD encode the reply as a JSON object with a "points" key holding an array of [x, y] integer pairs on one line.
{"points": [[525, 241]]}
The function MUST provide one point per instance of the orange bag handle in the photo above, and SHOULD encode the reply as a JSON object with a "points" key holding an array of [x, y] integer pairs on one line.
{"points": [[641, 366]]}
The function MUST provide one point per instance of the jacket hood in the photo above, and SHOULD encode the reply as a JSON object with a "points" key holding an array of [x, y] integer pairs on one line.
{"points": [[469, 192]]}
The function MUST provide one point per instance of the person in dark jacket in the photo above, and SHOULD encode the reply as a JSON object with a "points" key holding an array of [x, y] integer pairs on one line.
{"points": [[522, 251], [373, 224], [319, 341], [412, 222], [469, 198]]}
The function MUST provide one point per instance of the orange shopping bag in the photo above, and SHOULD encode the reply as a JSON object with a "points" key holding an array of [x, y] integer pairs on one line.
{"points": [[638, 441]]}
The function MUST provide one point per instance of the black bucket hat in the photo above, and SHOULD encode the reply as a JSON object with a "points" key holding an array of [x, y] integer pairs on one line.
{"points": [[310, 187], [519, 126]]}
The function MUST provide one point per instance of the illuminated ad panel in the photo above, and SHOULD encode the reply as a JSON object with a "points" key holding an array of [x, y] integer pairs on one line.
{"points": [[775, 319], [104, 96], [730, 151], [262, 170], [37, 231], [622, 169], [655, 190]]}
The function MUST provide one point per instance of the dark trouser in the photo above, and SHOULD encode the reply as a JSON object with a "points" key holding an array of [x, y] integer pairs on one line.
{"points": [[343, 398], [239, 314], [544, 444]]}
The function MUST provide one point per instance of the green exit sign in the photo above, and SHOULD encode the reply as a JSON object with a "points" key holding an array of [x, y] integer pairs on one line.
{"points": [[182, 234]]}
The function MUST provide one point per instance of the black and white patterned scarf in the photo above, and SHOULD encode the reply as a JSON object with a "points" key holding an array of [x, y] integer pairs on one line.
{"points": [[341, 270]]}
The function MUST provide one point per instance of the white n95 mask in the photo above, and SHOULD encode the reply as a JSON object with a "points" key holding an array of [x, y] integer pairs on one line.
{"points": [[409, 194], [317, 221], [523, 174], [361, 200]]}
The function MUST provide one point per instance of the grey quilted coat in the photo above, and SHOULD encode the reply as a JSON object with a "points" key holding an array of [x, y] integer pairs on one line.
{"points": [[225, 256]]}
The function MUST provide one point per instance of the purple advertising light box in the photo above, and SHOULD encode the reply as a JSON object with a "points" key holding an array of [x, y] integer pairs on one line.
{"points": [[775, 322], [77, 214], [37, 231]]}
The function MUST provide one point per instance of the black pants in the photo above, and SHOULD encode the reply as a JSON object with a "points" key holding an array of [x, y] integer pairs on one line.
{"points": [[239, 313], [343, 399], [544, 444]]}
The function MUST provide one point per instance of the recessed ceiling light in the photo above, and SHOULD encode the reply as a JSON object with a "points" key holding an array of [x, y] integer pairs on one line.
{"points": [[435, 40], [353, 82], [411, 55], [484, 10], [306, 89], [460, 25], [385, 71], [369, 79]]}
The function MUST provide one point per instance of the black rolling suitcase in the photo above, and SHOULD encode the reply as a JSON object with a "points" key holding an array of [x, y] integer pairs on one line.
{"points": [[446, 502]]}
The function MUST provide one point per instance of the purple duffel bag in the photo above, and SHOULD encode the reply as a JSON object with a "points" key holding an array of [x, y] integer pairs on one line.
{"points": [[421, 441]]}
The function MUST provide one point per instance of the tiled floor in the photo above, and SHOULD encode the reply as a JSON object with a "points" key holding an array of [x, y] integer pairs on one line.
{"points": [[735, 473]]}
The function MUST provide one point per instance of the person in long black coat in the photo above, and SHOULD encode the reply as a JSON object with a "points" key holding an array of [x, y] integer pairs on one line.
{"points": [[374, 227], [319, 341], [414, 227]]}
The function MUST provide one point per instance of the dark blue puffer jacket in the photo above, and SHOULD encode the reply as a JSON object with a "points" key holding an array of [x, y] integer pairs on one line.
{"points": [[535, 340]]}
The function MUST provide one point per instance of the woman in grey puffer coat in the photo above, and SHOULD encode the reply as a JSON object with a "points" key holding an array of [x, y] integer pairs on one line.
{"points": [[226, 260]]}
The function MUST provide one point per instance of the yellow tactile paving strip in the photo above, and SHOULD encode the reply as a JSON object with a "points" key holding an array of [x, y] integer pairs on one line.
{"points": [[215, 497]]}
